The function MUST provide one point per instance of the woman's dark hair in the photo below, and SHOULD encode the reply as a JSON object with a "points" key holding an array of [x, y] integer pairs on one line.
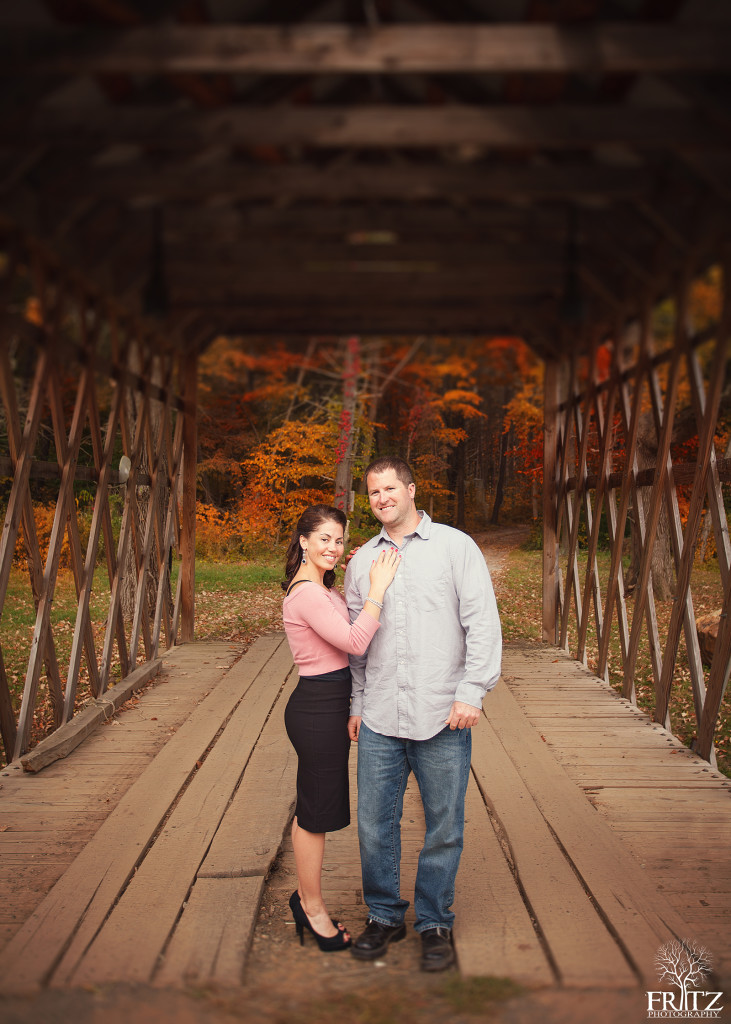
{"points": [[308, 522]]}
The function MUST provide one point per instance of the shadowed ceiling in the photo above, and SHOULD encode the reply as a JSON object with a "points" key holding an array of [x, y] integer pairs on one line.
{"points": [[371, 166]]}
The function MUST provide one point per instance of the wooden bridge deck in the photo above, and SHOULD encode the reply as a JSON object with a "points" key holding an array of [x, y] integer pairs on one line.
{"points": [[592, 836]]}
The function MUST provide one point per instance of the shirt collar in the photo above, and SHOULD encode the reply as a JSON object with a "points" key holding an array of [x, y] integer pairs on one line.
{"points": [[422, 530]]}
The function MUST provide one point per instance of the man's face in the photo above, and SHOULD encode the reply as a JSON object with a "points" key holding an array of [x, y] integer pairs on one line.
{"points": [[391, 500]]}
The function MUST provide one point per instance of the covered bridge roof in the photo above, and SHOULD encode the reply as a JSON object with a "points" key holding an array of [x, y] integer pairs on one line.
{"points": [[371, 166]]}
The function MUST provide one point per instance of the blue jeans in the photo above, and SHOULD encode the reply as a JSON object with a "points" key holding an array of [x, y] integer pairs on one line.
{"points": [[441, 767]]}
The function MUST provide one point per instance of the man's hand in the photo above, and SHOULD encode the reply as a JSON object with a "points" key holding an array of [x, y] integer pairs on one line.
{"points": [[462, 716], [354, 727]]}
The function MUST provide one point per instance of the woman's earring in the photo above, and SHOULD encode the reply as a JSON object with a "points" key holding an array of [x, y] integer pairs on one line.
{"points": [[304, 557]]}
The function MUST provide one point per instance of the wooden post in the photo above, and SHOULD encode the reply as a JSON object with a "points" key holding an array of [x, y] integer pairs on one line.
{"points": [[550, 535], [189, 381]]}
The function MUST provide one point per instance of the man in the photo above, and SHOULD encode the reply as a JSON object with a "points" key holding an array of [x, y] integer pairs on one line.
{"points": [[416, 695]]}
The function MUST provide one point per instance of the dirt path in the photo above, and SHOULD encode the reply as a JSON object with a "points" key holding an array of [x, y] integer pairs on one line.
{"points": [[496, 545]]}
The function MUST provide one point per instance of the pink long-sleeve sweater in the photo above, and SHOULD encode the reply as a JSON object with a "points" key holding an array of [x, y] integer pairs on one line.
{"points": [[319, 630]]}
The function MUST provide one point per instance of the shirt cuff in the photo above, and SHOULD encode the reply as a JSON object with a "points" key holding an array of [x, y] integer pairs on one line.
{"points": [[356, 706], [470, 693]]}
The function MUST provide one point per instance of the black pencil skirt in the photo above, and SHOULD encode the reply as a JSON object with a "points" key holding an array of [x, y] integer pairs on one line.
{"points": [[316, 719]]}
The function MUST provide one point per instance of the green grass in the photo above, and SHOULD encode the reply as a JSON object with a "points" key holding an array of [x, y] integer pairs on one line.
{"points": [[237, 578]]}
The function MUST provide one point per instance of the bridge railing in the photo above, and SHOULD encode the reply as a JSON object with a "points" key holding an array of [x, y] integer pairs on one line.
{"points": [[632, 476], [98, 429]]}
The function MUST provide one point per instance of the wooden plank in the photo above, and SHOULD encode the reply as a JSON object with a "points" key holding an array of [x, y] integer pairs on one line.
{"points": [[171, 181], [388, 49], [212, 939], [634, 910], [70, 735], [265, 799], [160, 885], [73, 911], [612, 738], [378, 126], [493, 933], [584, 953], [247, 316]]}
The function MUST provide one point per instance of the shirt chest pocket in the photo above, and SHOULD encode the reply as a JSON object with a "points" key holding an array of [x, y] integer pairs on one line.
{"points": [[430, 592]]}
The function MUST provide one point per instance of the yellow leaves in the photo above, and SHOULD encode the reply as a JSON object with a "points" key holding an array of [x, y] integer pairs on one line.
{"points": [[297, 449], [458, 400], [450, 436]]}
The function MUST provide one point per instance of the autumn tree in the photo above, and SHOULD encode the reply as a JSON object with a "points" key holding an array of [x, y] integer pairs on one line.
{"points": [[280, 429], [243, 394], [524, 417]]}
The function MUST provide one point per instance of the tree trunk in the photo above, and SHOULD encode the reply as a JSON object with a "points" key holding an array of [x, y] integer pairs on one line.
{"points": [[344, 452], [500, 489], [460, 522]]}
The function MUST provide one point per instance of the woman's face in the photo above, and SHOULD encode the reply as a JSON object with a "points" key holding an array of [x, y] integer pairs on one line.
{"points": [[324, 546]]}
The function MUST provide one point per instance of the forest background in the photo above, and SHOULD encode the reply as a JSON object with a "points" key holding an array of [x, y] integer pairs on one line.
{"points": [[281, 429]]}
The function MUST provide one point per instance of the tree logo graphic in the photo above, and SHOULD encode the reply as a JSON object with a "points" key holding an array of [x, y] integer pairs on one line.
{"points": [[684, 965]]}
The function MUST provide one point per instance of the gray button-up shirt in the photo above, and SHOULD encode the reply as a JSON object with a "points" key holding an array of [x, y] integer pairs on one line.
{"points": [[440, 637]]}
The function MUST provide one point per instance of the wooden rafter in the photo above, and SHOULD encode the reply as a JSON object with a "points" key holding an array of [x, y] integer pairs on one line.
{"points": [[393, 49], [170, 181], [500, 127]]}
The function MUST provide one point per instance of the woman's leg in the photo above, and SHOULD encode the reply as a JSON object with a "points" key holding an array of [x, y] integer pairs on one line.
{"points": [[309, 851]]}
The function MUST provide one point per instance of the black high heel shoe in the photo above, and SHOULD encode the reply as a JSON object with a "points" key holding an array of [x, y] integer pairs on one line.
{"points": [[327, 943]]}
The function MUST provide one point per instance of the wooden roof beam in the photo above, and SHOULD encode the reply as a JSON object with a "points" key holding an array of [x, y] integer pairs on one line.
{"points": [[611, 47], [327, 317], [419, 181], [377, 126]]}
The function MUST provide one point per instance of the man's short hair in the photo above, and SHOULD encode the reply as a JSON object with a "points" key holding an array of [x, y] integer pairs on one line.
{"points": [[400, 467]]}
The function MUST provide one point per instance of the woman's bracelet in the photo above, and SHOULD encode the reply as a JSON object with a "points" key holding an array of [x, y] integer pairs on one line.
{"points": [[373, 601]]}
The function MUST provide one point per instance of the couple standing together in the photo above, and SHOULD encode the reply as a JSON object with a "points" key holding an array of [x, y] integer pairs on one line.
{"points": [[402, 671]]}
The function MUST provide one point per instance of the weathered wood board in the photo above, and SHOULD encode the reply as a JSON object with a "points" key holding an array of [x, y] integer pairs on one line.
{"points": [[493, 931], [180, 847], [69, 917], [211, 941]]}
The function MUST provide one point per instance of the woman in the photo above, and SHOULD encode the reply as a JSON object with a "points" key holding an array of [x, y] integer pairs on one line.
{"points": [[316, 717]]}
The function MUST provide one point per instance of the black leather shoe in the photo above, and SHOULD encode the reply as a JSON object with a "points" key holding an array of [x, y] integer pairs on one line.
{"points": [[373, 942], [437, 951]]}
